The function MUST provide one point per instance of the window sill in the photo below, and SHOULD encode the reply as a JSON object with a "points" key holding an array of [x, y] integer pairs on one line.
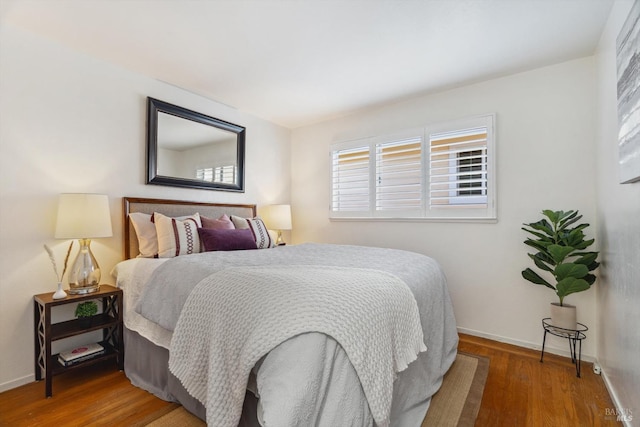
{"points": [[415, 219]]}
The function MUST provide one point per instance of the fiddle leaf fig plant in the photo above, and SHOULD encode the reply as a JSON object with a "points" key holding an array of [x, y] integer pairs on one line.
{"points": [[559, 245]]}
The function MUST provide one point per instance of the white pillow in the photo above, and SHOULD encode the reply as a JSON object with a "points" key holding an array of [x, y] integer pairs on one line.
{"points": [[259, 230], [177, 236], [146, 232]]}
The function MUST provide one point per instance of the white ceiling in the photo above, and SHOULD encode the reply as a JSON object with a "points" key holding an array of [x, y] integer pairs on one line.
{"points": [[297, 62]]}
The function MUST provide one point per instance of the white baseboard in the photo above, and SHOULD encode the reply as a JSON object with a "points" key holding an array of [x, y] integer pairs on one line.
{"points": [[614, 397], [17, 382], [534, 346]]}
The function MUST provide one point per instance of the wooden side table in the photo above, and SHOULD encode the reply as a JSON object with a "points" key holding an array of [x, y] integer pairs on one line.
{"points": [[109, 321]]}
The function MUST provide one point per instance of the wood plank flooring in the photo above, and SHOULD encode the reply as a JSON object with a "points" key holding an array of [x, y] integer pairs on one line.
{"points": [[98, 395], [520, 391]]}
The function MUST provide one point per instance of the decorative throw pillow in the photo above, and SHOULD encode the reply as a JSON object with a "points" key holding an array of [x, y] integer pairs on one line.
{"points": [[239, 222], [226, 240], [222, 223], [146, 232], [256, 225], [177, 237]]}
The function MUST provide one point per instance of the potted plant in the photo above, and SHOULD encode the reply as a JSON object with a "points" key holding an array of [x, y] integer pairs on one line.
{"points": [[560, 254], [86, 310]]}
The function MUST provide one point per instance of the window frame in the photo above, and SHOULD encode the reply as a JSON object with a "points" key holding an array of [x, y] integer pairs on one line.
{"points": [[426, 212]]}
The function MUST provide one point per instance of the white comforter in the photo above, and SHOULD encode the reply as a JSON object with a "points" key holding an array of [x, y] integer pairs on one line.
{"points": [[309, 380]]}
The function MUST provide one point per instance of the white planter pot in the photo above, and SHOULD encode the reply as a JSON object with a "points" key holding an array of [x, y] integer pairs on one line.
{"points": [[563, 316]]}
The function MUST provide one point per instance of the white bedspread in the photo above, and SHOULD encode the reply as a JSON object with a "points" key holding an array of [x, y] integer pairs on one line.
{"points": [[310, 375], [235, 316], [132, 276]]}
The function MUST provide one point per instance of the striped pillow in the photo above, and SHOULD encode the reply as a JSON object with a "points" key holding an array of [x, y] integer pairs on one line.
{"points": [[257, 227], [177, 237]]}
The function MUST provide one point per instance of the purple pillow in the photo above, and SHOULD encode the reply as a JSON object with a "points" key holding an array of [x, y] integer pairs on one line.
{"points": [[226, 240], [222, 223]]}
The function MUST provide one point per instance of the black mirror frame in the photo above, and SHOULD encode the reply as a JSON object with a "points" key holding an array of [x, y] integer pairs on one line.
{"points": [[153, 107]]}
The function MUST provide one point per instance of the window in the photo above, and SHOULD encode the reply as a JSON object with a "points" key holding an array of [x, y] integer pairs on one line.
{"points": [[399, 175], [471, 161], [205, 174], [219, 174], [443, 171], [350, 186], [458, 168]]}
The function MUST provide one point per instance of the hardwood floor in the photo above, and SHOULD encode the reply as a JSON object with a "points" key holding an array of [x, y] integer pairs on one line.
{"points": [[520, 391], [98, 395]]}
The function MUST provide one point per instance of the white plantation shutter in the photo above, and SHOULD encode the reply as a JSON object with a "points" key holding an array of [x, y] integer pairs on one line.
{"points": [[458, 168], [350, 180], [444, 171], [219, 174], [225, 174], [204, 174], [399, 175]]}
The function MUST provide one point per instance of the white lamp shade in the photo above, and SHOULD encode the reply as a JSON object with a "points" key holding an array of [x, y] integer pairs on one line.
{"points": [[277, 217], [83, 216]]}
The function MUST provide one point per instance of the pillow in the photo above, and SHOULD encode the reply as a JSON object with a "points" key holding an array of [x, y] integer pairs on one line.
{"points": [[222, 223], [226, 240], [146, 232], [256, 225], [177, 236], [239, 222], [145, 227]]}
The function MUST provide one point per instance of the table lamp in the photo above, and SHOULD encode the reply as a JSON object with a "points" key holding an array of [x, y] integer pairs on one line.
{"points": [[83, 217], [277, 217]]}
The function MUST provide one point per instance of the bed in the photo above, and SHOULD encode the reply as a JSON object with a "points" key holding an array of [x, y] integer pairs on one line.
{"points": [[298, 370]]}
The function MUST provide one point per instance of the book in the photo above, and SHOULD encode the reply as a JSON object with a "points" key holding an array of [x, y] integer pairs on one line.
{"points": [[81, 352], [79, 359]]}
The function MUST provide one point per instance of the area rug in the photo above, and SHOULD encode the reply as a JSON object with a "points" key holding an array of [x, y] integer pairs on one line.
{"points": [[456, 404], [177, 417]]}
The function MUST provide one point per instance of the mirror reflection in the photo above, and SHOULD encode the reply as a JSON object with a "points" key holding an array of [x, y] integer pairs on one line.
{"points": [[193, 150], [189, 149]]}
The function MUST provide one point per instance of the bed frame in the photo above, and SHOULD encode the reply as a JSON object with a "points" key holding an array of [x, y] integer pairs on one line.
{"points": [[173, 208]]}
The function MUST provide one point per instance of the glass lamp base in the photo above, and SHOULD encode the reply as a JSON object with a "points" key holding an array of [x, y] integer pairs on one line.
{"points": [[84, 276], [80, 290]]}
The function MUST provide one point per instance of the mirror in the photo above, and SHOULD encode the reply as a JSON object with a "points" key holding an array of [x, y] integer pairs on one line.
{"points": [[190, 149]]}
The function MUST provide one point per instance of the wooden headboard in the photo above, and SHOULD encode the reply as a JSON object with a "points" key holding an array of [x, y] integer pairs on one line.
{"points": [[173, 208]]}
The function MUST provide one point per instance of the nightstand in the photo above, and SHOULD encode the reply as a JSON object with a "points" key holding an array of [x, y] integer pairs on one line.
{"points": [[109, 321]]}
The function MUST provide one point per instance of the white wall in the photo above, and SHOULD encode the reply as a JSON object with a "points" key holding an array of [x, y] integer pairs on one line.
{"points": [[222, 153], [618, 214], [72, 123], [170, 162], [545, 160]]}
